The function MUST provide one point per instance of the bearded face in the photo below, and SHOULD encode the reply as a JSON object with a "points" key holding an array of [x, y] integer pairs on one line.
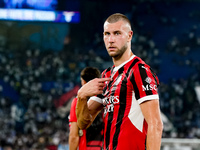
{"points": [[116, 38]]}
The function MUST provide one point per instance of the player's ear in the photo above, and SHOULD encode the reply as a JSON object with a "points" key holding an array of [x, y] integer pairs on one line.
{"points": [[130, 35]]}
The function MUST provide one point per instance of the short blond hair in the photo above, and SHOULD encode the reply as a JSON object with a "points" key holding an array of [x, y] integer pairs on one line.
{"points": [[117, 17]]}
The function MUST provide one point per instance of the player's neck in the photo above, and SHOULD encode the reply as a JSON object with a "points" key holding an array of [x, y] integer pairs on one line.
{"points": [[126, 56]]}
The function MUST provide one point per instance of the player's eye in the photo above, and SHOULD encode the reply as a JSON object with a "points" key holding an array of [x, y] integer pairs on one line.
{"points": [[106, 33], [117, 33]]}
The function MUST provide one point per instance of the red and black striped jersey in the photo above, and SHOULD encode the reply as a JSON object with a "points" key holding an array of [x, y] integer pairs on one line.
{"points": [[133, 82]]}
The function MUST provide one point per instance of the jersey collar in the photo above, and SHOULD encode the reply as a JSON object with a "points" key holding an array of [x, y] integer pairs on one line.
{"points": [[117, 68]]}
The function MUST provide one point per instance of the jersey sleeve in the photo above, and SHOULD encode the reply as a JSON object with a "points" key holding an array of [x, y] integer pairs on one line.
{"points": [[72, 116], [96, 98], [145, 83]]}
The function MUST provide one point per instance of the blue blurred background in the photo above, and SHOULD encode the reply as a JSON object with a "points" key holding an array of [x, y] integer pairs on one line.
{"points": [[41, 60]]}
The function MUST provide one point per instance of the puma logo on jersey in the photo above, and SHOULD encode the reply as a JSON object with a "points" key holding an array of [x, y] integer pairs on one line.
{"points": [[144, 67]]}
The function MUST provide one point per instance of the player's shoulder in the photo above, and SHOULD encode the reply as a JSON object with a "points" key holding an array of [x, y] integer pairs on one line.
{"points": [[137, 63]]}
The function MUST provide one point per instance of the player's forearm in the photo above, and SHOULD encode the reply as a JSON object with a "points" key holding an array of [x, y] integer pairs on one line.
{"points": [[84, 118], [73, 143], [154, 135]]}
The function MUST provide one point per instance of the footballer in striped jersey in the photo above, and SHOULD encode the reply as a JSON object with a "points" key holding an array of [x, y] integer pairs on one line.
{"points": [[128, 93]]}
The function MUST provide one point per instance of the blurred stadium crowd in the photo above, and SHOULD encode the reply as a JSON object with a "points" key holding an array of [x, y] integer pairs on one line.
{"points": [[33, 82]]}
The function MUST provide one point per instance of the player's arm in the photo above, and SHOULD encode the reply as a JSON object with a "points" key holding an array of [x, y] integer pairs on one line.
{"points": [[151, 112], [73, 136], [86, 112]]}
